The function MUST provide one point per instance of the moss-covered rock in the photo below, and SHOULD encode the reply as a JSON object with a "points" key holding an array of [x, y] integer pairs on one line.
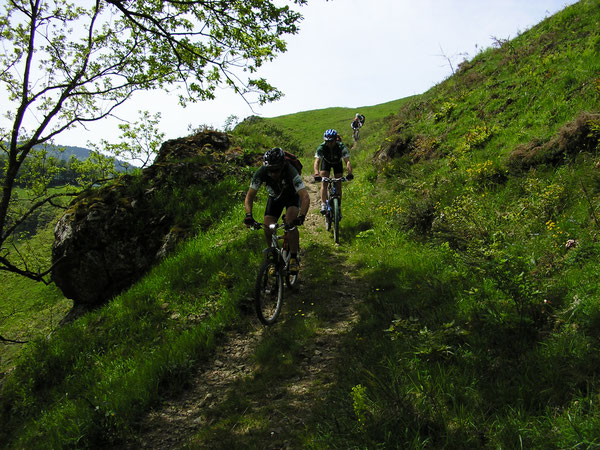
{"points": [[110, 236]]}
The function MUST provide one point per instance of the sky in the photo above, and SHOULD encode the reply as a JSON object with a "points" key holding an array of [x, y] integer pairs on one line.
{"points": [[350, 53]]}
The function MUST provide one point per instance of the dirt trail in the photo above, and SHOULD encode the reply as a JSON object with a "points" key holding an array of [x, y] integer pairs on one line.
{"points": [[288, 404]]}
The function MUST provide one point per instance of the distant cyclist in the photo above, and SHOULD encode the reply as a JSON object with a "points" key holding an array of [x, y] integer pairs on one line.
{"points": [[331, 154], [286, 190], [356, 124]]}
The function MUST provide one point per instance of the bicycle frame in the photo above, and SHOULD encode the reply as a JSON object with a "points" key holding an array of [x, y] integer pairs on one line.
{"points": [[280, 253], [332, 191]]}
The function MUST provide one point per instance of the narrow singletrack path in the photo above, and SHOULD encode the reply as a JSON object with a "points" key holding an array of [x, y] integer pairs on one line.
{"points": [[273, 413]]}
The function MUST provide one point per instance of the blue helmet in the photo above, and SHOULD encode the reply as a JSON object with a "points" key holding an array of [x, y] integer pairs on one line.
{"points": [[274, 158], [330, 135]]}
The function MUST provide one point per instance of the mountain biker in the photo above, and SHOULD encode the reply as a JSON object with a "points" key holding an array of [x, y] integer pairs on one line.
{"points": [[286, 190], [329, 155], [357, 123]]}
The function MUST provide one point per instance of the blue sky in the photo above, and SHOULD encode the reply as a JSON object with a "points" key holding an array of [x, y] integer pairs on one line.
{"points": [[352, 53]]}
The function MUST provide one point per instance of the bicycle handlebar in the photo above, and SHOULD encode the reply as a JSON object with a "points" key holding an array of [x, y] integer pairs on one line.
{"points": [[273, 226], [329, 180]]}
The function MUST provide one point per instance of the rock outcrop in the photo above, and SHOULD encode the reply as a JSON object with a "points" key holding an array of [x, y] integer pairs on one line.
{"points": [[110, 236]]}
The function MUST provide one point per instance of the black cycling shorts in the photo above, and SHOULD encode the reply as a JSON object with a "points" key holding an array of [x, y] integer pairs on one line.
{"points": [[327, 166], [285, 200]]}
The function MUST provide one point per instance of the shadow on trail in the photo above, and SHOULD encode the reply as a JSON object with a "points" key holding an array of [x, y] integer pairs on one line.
{"points": [[350, 230], [294, 361], [258, 389]]}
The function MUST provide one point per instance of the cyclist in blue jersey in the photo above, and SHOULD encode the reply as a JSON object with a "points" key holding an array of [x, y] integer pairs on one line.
{"points": [[331, 154], [286, 190]]}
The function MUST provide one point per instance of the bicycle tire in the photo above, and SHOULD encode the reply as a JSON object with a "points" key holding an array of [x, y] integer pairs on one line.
{"points": [[336, 220], [268, 293]]}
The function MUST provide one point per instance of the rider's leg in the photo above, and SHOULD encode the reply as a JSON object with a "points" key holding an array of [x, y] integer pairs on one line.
{"points": [[273, 210], [323, 173], [269, 220], [293, 236]]}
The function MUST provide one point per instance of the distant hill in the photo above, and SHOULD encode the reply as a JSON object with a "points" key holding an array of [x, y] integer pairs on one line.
{"points": [[64, 152], [79, 152]]}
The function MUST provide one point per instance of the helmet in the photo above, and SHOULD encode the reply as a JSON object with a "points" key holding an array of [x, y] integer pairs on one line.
{"points": [[274, 158], [330, 135]]}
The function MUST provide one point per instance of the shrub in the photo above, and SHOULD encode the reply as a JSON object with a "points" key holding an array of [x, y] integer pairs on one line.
{"points": [[578, 136], [445, 111], [475, 138], [419, 212], [487, 174]]}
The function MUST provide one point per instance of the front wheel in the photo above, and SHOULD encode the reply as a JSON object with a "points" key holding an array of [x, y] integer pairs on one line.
{"points": [[268, 293], [336, 220]]}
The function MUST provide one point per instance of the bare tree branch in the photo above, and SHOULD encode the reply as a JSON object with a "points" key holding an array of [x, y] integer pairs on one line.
{"points": [[11, 341]]}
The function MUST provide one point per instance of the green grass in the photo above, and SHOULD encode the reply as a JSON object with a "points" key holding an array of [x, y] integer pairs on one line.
{"points": [[481, 329], [30, 310], [479, 326], [115, 362]]}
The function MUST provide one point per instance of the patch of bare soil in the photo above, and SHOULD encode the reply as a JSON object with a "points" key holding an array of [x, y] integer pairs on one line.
{"points": [[288, 404]]}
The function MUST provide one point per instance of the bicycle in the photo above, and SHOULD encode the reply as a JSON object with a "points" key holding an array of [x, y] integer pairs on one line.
{"points": [[333, 213], [268, 291], [355, 133]]}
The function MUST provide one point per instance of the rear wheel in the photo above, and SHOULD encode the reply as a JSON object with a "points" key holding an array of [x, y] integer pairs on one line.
{"points": [[268, 293], [336, 220]]}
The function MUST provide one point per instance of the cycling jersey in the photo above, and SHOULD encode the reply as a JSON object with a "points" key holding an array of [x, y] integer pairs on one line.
{"points": [[289, 182], [332, 155]]}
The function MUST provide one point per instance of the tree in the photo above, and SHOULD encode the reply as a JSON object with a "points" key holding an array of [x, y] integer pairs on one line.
{"points": [[231, 122], [64, 65], [140, 141]]}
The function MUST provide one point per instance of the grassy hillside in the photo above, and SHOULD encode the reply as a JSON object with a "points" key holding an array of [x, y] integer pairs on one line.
{"points": [[480, 241], [472, 226]]}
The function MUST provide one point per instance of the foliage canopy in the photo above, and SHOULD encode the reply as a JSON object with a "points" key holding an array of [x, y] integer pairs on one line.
{"points": [[65, 64]]}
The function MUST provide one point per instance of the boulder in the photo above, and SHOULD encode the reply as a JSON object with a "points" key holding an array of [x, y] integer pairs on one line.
{"points": [[110, 236]]}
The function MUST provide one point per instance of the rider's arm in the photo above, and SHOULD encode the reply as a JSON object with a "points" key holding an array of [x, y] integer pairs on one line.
{"points": [[249, 201], [316, 166], [348, 165], [305, 201]]}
